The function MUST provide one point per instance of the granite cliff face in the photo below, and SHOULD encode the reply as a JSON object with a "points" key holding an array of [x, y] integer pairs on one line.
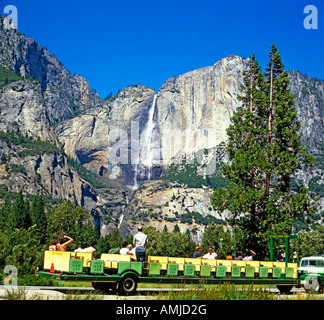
{"points": [[64, 93], [23, 109], [131, 138], [164, 203], [194, 109], [309, 101], [31, 158], [201, 99], [88, 137], [190, 113]]}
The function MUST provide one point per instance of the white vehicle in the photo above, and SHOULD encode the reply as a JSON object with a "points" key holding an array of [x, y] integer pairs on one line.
{"points": [[311, 273]]}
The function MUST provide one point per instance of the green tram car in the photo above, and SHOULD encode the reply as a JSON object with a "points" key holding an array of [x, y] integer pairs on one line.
{"points": [[123, 273]]}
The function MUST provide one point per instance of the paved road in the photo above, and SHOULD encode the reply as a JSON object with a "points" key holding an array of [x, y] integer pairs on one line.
{"points": [[62, 293]]}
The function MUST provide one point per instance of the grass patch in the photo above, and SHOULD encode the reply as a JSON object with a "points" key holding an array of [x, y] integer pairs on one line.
{"points": [[64, 283], [89, 176], [18, 294], [225, 291], [188, 174], [83, 296], [7, 76], [31, 147]]}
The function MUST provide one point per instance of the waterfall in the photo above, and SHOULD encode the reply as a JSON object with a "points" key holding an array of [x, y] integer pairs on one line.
{"points": [[145, 156], [148, 138], [135, 185], [120, 221]]}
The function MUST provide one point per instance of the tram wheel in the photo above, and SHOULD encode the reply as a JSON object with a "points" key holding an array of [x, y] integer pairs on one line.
{"points": [[313, 284], [128, 285]]}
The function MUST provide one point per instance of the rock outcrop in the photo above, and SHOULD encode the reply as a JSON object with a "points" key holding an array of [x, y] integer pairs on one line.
{"points": [[309, 101], [23, 109], [64, 94]]}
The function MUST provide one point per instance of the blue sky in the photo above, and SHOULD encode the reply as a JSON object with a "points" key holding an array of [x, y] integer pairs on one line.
{"points": [[118, 43]]}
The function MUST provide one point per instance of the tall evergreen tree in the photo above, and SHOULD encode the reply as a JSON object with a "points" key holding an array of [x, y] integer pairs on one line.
{"points": [[5, 214], [176, 228], [37, 212], [19, 216], [116, 239], [264, 150]]}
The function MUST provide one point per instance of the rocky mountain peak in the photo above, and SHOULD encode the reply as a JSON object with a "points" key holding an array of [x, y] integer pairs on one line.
{"points": [[64, 93]]}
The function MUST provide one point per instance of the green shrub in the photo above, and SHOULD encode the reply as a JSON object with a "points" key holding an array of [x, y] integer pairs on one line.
{"points": [[17, 168], [199, 219], [32, 280], [86, 174], [187, 174], [315, 187], [7, 76], [30, 146]]}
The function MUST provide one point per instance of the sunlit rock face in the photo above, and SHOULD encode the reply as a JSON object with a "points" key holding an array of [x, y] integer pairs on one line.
{"points": [[189, 113]]}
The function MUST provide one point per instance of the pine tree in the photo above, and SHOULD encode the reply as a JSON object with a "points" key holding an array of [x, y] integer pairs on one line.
{"points": [[19, 216], [37, 213], [5, 214], [116, 239], [176, 228], [103, 245], [264, 150]]}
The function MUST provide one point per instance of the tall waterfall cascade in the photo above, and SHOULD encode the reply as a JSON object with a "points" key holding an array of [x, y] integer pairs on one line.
{"points": [[121, 220], [146, 154], [148, 162]]}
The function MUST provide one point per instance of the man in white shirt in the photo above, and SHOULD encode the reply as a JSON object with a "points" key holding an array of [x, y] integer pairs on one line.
{"points": [[211, 254], [140, 241], [250, 255]]}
